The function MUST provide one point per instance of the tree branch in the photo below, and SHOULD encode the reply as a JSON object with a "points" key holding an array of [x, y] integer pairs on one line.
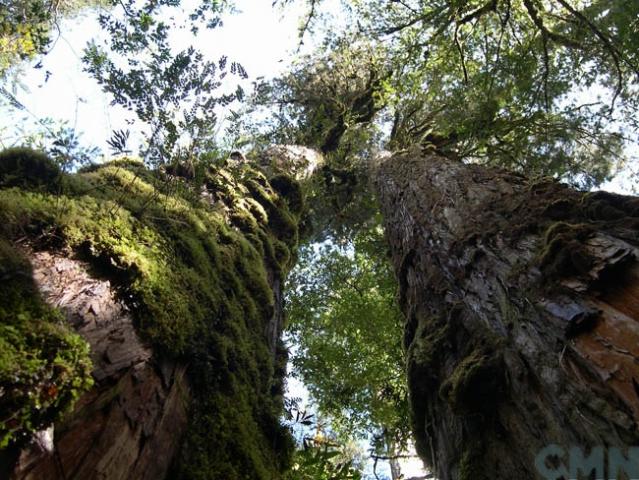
{"points": [[614, 52], [490, 6], [461, 53], [391, 457], [544, 38], [414, 21], [534, 15], [309, 18]]}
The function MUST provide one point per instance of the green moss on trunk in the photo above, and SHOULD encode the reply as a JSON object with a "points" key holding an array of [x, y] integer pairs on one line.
{"points": [[195, 270], [44, 366]]}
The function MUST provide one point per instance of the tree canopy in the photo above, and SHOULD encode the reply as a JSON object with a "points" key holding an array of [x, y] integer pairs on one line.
{"points": [[27, 27], [537, 86], [347, 330], [545, 87]]}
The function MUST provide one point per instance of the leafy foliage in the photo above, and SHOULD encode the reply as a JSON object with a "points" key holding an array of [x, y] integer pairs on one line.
{"points": [[66, 149], [118, 142], [170, 91], [319, 455], [319, 460], [25, 27], [536, 86], [347, 330], [24, 30], [61, 143], [326, 94]]}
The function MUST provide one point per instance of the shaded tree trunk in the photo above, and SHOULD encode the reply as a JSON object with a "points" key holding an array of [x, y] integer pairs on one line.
{"points": [[131, 423], [521, 305]]}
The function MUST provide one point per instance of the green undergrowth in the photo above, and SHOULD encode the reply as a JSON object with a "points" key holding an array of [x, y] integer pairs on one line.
{"points": [[44, 365], [195, 270]]}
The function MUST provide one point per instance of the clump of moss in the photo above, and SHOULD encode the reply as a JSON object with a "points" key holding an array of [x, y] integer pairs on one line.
{"points": [[195, 271], [280, 219], [563, 252], [27, 168], [425, 348], [471, 464], [570, 220], [608, 206], [291, 191], [44, 366], [475, 384]]}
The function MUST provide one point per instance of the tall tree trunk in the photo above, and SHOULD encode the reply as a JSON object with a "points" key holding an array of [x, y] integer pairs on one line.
{"points": [[521, 305], [211, 412]]}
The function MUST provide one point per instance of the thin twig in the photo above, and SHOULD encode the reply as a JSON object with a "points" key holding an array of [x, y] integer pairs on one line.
{"points": [[535, 16], [461, 53], [306, 25]]}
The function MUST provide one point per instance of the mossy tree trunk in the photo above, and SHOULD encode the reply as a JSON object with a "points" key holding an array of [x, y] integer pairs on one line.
{"points": [[522, 313], [129, 425], [175, 289]]}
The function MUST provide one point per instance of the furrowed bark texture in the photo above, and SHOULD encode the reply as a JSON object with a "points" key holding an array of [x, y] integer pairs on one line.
{"points": [[521, 305], [131, 423]]}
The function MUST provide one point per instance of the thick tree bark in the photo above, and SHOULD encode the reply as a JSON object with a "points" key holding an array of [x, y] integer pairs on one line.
{"points": [[521, 305], [131, 423]]}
